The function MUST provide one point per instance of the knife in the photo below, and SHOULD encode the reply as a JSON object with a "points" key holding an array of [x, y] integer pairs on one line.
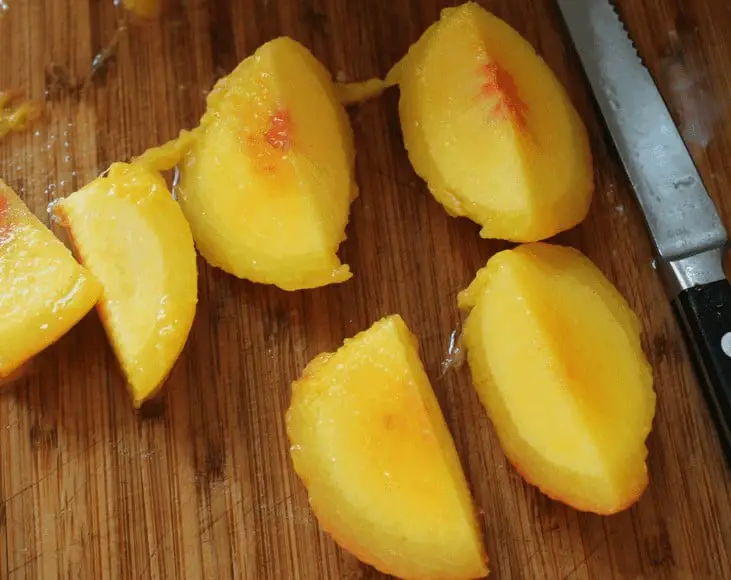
{"points": [[689, 238]]}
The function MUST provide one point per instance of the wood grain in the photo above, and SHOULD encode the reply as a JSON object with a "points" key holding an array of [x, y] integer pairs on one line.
{"points": [[200, 485]]}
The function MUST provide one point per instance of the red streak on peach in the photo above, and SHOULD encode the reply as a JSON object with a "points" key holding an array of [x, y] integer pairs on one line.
{"points": [[501, 84], [279, 134]]}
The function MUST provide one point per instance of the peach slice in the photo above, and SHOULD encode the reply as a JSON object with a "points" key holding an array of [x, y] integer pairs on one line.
{"points": [[130, 233], [555, 355], [491, 130], [371, 445], [43, 290], [268, 183]]}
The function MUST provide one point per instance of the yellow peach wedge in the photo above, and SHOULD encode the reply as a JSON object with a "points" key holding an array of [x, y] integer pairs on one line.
{"points": [[369, 441], [268, 183], [43, 290], [555, 355], [491, 130], [130, 233]]}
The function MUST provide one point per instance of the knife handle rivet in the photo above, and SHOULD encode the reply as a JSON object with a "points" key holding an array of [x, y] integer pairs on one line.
{"points": [[726, 344]]}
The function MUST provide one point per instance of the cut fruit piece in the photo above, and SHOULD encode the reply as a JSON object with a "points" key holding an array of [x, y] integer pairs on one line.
{"points": [[147, 9], [43, 290], [16, 118], [168, 155], [555, 355], [133, 237], [357, 92], [268, 184], [372, 447], [491, 130]]}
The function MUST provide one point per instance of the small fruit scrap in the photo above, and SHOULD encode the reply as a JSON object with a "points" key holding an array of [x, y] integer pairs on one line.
{"points": [[133, 237], [166, 156], [555, 355], [491, 130], [44, 292], [16, 118], [357, 92], [371, 445], [268, 182], [146, 9]]}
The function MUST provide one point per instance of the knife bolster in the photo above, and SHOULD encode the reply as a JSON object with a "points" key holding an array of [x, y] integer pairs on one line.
{"points": [[694, 270]]}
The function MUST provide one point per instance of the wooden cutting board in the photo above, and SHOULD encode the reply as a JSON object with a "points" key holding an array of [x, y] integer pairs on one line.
{"points": [[199, 485]]}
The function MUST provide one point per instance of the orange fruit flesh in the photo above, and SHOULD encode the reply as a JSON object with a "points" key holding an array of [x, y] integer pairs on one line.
{"points": [[491, 130], [268, 184], [371, 445], [568, 389], [44, 292], [16, 117], [360, 91], [131, 234], [147, 9]]}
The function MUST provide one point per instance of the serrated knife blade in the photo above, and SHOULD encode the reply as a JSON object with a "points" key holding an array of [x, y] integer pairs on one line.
{"points": [[680, 215], [687, 232]]}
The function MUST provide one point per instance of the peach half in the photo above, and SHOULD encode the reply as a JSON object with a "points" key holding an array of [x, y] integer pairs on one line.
{"points": [[268, 182], [130, 233], [491, 130], [555, 355], [371, 445], [43, 290]]}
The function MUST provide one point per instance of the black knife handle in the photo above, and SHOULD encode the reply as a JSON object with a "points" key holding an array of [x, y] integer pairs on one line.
{"points": [[705, 315]]}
